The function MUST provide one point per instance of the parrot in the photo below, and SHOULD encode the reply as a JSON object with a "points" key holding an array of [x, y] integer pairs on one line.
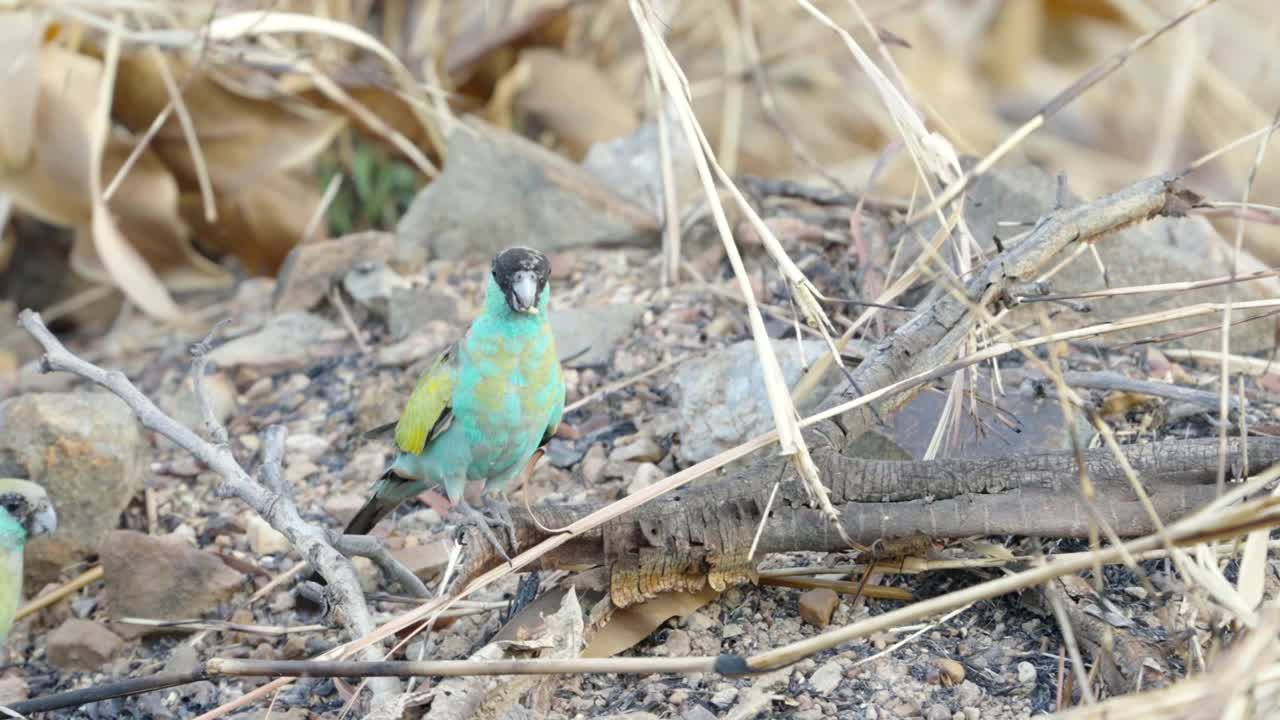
{"points": [[25, 512], [485, 405]]}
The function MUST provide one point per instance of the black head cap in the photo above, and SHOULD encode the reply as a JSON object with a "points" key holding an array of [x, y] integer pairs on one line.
{"points": [[522, 274]]}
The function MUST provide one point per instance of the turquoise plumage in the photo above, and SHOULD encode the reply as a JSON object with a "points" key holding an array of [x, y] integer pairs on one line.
{"points": [[486, 405], [25, 512]]}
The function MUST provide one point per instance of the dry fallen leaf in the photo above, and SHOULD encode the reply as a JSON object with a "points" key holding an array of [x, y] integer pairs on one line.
{"points": [[20, 36], [628, 626], [59, 153], [259, 224], [248, 142], [542, 92]]}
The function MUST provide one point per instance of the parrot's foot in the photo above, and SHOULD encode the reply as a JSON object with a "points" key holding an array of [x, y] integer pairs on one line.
{"points": [[484, 524], [498, 509]]}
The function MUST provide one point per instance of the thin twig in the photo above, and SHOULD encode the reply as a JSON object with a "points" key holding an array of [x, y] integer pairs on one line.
{"points": [[85, 579], [274, 504], [374, 549]]}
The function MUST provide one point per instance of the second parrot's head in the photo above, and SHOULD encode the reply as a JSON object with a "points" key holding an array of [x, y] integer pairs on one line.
{"points": [[27, 506], [521, 274]]}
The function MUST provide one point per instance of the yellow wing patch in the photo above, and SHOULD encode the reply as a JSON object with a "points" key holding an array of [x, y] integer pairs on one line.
{"points": [[428, 412]]}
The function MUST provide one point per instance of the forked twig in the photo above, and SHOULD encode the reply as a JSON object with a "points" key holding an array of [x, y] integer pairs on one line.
{"points": [[269, 496]]}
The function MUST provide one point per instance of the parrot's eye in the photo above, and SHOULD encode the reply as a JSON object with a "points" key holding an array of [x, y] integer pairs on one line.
{"points": [[13, 504]]}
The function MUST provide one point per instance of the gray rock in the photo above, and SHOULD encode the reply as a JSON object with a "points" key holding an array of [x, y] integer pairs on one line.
{"points": [[293, 338], [1161, 250], [722, 397], [183, 659], [645, 475], [724, 698], [497, 186], [694, 711], [164, 578], [637, 448], [937, 711], [370, 284], [593, 465], [312, 267], [826, 677], [13, 689], [1026, 673], [413, 306], [678, 644], [82, 645], [587, 336], [968, 694], [631, 166], [88, 451]]}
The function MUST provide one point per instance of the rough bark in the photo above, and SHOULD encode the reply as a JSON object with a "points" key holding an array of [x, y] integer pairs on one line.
{"points": [[703, 532]]}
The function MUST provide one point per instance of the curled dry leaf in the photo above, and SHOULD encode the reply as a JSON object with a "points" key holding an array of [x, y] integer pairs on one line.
{"points": [[543, 91], [623, 628], [258, 224], [50, 155], [251, 135]]}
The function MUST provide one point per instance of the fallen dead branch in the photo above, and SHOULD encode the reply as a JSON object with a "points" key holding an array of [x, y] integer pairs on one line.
{"points": [[703, 534]]}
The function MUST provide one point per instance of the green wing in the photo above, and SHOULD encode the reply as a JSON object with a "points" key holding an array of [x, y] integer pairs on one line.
{"points": [[428, 411]]}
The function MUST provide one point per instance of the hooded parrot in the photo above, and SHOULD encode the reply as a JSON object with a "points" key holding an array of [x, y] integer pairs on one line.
{"points": [[486, 404], [25, 512]]}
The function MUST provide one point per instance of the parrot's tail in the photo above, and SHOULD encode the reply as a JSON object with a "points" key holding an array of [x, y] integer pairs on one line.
{"points": [[374, 509]]}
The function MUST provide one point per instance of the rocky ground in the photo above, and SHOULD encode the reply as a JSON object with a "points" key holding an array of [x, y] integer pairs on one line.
{"points": [[332, 364]]}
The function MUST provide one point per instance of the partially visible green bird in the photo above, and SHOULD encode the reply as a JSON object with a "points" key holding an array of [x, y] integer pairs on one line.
{"points": [[25, 512], [487, 403]]}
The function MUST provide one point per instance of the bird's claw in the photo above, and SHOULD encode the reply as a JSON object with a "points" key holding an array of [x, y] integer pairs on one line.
{"points": [[501, 516], [483, 523]]}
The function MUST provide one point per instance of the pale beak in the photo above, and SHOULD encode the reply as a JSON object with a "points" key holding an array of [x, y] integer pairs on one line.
{"points": [[44, 521], [524, 286]]}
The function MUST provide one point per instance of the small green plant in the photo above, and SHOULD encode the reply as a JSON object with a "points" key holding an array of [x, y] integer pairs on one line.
{"points": [[376, 190]]}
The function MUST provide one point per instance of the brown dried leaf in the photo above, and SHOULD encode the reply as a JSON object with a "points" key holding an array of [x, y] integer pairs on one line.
{"points": [[134, 241], [20, 36], [244, 138], [628, 626], [250, 134], [259, 223], [543, 91]]}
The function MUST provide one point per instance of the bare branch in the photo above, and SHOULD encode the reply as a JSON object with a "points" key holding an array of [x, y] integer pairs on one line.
{"points": [[200, 360], [373, 548], [270, 499]]}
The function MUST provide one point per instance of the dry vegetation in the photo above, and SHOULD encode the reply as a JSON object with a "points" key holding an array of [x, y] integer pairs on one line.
{"points": [[931, 191]]}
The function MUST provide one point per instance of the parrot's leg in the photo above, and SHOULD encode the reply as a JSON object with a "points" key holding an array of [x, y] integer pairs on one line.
{"points": [[499, 510], [483, 523]]}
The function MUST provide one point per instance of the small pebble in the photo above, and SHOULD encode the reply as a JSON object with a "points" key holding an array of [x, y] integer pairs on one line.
{"points": [[678, 644], [1026, 673], [937, 711], [724, 698], [827, 677], [818, 605]]}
